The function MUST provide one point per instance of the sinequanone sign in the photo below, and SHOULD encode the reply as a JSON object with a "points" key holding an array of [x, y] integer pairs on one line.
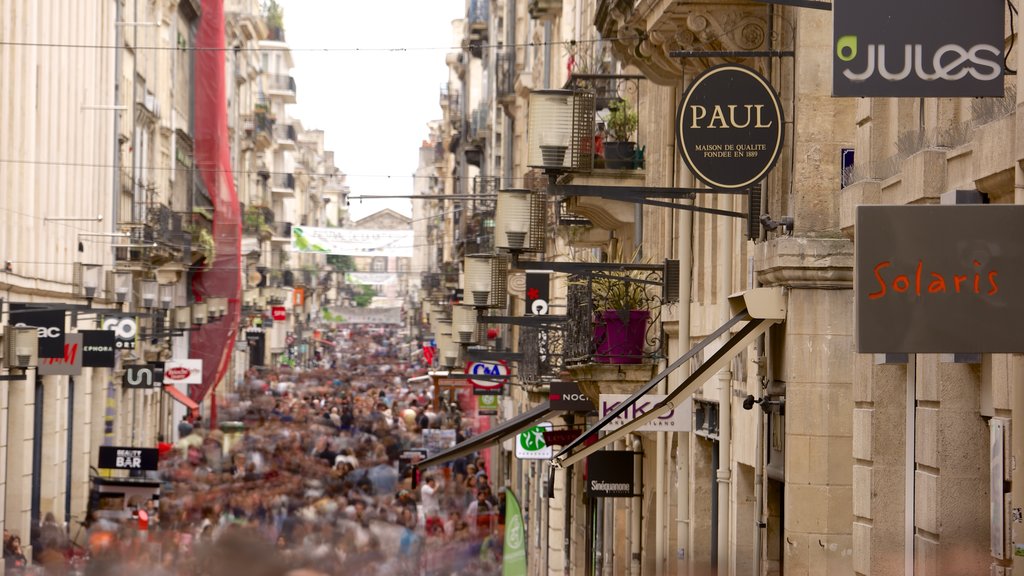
{"points": [[918, 48], [729, 127], [939, 279], [122, 458], [610, 474]]}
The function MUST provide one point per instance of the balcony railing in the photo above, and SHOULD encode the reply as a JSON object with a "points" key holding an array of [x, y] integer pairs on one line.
{"points": [[592, 327], [282, 181], [506, 76], [285, 132], [281, 83], [282, 230]]}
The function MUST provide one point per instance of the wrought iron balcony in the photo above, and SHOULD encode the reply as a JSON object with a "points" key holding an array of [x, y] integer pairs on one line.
{"points": [[259, 128], [285, 132], [282, 85], [506, 77], [281, 182]]}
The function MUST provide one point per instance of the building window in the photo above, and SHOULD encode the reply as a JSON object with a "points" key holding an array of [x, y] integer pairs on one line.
{"points": [[379, 264]]}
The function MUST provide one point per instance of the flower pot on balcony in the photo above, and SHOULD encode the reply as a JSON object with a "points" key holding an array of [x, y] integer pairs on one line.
{"points": [[619, 336], [620, 155]]}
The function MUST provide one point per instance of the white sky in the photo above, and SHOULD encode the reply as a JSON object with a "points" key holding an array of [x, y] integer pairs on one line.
{"points": [[373, 106]]}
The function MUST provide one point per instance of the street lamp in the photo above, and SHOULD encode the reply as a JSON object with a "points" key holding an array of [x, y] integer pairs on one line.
{"points": [[166, 296], [182, 317], [479, 279], [200, 313], [513, 217], [86, 279], [561, 130], [119, 285], [464, 324], [148, 290]]}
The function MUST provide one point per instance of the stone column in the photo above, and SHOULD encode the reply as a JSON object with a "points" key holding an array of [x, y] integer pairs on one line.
{"points": [[18, 493], [879, 470]]}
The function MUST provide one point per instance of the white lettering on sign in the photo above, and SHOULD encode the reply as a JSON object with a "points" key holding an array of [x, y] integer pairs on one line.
{"points": [[41, 331], [609, 486], [129, 459], [677, 420]]}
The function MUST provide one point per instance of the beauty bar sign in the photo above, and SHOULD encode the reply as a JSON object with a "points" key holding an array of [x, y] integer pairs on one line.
{"points": [[918, 48], [939, 279]]}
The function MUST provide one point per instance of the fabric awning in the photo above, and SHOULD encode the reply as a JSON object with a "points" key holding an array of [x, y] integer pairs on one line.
{"points": [[181, 397], [495, 435], [760, 308]]}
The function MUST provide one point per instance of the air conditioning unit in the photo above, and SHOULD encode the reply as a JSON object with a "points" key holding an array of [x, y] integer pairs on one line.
{"points": [[21, 347]]}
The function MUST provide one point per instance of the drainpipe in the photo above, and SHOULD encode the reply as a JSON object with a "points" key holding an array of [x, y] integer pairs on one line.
{"points": [[686, 180], [547, 54], [725, 414], [635, 516], [1017, 385], [908, 469], [118, 64]]}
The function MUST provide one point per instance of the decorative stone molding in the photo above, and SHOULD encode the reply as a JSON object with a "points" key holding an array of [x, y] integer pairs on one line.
{"points": [[595, 379], [646, 34], [803, 262]]}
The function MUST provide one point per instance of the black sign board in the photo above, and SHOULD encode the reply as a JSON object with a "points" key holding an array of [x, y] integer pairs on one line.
{"points": [[538, 293], [730, 127], [939, 279], [48, 323], [122, 458], [142, 376], [610, 474], [256, 340], [98, 348], [918, 48], [567, 396]]}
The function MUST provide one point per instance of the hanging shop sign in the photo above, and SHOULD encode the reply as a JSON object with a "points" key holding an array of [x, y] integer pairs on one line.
{"points": [[939, 279], [409, 458], [487, 405], [371, 278], [352, 241], [49, 324], [143, 376], [610, 474], [495, 380], [183, 371], [918, 48], [126, 330], [530, 444], [677, 420], [98, 348], [730, 126], [123, 458], [256, 340], [70, 364], [538, 292], [278, 313], [567, 396]]}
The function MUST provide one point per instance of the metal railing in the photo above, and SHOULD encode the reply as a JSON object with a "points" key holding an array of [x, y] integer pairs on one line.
{"points": [[281, 83], [505, 65], [279, 180], [285, 132], [597, 332]]}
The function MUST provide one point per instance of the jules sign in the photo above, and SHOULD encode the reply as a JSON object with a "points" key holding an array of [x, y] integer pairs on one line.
{"points": [[917, 48], [729, 127], [939, 279]]}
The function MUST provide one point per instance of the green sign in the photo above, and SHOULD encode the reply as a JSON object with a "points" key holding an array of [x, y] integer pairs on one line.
{"points": [[513, 562], [530, 443], [487, 405]]}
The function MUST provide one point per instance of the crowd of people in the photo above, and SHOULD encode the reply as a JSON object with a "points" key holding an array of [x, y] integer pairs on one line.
{"points": [[317, 482]]}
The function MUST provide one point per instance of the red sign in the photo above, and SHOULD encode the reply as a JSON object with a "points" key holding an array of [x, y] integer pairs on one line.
{"points": [[177, 373], [278, 313], [492, 374], [563, 437]]}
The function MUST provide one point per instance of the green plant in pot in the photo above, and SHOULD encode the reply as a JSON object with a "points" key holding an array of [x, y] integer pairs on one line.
{"points": [[621, 313], [622, 123]]}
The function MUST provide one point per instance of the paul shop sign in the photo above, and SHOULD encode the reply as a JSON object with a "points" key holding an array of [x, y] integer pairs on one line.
{"points": [[939, 279], [918, 48], [729, 127], [677, 420]]}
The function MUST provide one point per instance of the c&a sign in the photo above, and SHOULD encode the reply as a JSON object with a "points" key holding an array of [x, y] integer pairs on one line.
{"points": [[918, 48]]}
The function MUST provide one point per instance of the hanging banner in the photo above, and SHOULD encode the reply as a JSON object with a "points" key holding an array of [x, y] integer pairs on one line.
{"points": [[918, 48], [352, 242], [513, 557], [183, 371], [49, 324], [70, 364], [256, 339], [530, 444], [484, 386], [487, 405], [123, 458], [98, 348], [610, 474], [371, 278], [939, 279], [730, 127], [357, 315], [126, 330], [677, 420]]}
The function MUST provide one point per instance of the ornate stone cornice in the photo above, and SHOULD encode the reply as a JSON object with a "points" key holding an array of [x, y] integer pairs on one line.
{"points": [[805, 262], [645, 34]]}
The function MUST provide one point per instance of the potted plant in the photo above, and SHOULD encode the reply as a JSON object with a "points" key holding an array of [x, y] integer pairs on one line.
{"points": [[621, 310], [622, 123]]}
